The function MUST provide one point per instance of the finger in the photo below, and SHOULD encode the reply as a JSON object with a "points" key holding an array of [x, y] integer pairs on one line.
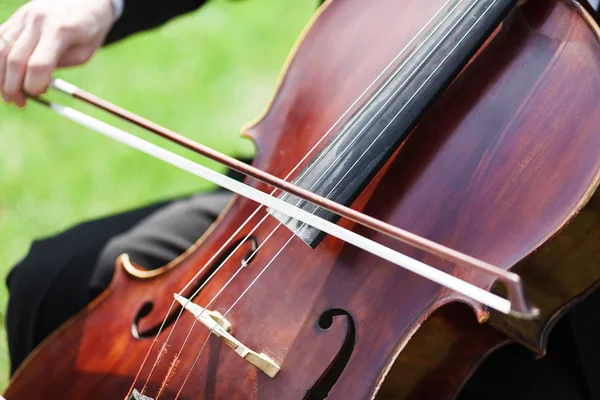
{"points": [[20, 100], [10, 34], [16, 62], [10, 31], [14, 21], [42, 63], [4, 50]]}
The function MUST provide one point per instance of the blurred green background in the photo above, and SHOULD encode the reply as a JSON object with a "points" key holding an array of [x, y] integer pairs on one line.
{"points": [[203, 75]]}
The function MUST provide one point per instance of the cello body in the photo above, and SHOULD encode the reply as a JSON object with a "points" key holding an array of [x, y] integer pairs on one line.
{"points": [[503, 167]]}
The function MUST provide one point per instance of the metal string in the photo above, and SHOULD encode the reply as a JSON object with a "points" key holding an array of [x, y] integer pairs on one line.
{"points": [[344, 152], [310, 167], [348, 147], [372, 119], [321, 155], [375, 81], [387, 126]]}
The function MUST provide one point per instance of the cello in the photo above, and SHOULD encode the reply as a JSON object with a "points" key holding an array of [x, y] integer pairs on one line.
{"points": [[459, 134]]}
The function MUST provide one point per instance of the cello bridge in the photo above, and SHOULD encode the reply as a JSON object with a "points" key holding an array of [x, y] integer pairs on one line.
{"points": [[220, 327], [135, 395]]}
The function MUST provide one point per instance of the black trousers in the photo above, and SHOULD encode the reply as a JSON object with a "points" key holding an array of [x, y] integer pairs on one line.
{"points": [[60, 275]]}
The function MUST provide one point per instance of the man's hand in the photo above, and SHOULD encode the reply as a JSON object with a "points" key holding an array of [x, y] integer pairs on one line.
{"points": [[44, 35]]}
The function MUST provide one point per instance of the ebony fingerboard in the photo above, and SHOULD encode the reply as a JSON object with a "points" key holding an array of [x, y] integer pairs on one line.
{"points": [[346, 165]]}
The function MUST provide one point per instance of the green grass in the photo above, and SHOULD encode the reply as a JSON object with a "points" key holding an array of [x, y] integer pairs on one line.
{"points": [[203, 75]]}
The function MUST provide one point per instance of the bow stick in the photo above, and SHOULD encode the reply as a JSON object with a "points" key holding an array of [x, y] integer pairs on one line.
{"points": [[516, 304]]}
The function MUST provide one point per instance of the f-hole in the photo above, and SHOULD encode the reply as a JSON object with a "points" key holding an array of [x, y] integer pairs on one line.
{"points": [[325, 383], [147, 307]]}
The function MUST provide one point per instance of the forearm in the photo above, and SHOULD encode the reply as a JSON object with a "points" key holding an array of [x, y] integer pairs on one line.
{"points": [[141, 15]]}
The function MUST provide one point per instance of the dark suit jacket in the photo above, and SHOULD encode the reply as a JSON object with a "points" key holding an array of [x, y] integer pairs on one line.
{"points": [[140, 15]]}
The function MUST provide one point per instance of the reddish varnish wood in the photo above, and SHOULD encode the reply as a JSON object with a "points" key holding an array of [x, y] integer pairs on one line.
{"points": [[499, 169]]}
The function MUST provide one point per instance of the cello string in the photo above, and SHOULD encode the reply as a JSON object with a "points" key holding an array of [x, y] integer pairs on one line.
{"points": [[372, 99], [375, 81], [387, 126], [320, 156], [368, 124], [175, 361], [348, 147], [303, 224], [380, 110], [312, 165], [163, 347]]}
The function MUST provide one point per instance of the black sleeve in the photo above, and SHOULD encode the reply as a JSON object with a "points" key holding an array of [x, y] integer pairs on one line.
{"points": [[140, 15]]}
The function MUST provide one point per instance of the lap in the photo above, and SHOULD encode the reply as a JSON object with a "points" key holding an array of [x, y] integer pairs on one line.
{"points": [[62, 274], [161, 237]]}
